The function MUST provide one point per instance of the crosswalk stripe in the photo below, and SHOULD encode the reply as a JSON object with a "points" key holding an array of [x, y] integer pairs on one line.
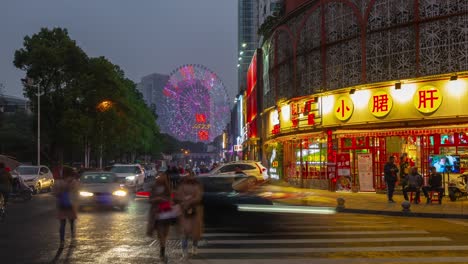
{"points": [[302, 227], [336, 249], [389, 232], [327, 240], [418, 260], [458, 222]]}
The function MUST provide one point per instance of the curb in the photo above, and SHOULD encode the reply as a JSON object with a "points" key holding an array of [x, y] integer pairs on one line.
{"points": [[405, 214]]}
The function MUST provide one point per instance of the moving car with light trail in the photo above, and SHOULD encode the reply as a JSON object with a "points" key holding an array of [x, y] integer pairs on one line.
{"points": [[102, 188]]}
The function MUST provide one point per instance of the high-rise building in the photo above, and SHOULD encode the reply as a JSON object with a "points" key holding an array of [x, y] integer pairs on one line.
{"points": [[247, 37], [151, 86]]}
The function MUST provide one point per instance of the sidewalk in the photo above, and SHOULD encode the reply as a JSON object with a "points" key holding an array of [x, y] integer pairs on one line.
{"points": [[367, 203]]}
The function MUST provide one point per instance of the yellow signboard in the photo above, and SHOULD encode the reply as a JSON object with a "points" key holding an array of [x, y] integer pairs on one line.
{"points": [[380, 104], [343, 108], [427, 99]]}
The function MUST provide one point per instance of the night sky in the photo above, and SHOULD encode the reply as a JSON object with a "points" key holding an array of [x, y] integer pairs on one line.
{"points": [[141, 36]]}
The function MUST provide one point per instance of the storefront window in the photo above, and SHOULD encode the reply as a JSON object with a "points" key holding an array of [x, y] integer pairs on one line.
{"points": [[463, 138], [447, 139], [313, 155]]}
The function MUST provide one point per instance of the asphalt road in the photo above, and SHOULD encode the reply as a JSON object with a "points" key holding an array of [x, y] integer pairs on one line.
{"points": [[30, 235]]}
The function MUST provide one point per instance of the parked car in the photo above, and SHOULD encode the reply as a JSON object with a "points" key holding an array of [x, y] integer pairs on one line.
{"points": [[131, 175], [102, 188], [253, 169], [38, 178]]}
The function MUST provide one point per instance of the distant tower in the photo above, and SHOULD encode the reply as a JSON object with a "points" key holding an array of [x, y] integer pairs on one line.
{"points": [[151, 87], [247, 37]]}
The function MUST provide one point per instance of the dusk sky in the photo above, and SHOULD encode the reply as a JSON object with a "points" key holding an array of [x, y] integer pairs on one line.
{"points": [[142, 37]]}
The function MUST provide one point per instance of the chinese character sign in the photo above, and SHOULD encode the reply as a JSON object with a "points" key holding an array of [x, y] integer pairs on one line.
{"points": [[427, 99], [200, 118], [380, 104], [343, 108], [343, 172], [203, 135]]}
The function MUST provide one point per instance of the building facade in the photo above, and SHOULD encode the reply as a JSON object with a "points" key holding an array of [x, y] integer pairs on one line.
{"points": [[348, 83], [151, 87]]}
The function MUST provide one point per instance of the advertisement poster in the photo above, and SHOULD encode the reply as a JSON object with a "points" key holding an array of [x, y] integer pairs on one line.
{"points": [[366, 183], [343, 172]]}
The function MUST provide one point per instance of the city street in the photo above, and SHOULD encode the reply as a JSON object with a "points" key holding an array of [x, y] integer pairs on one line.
{"points": [[30, 235]]}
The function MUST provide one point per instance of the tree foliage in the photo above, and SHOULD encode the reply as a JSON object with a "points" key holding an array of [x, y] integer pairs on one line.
{"points": [[72, 87]]}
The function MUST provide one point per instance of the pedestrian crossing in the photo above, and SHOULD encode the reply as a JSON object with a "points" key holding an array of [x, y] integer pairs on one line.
{"points": [[350, 241]]}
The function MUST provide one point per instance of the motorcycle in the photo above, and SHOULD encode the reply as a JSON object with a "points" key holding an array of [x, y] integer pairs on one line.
{"points": [[20, 189], [457, 188]]}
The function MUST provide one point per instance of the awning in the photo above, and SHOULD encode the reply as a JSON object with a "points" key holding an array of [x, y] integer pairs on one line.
{"points": [[406, 131]]}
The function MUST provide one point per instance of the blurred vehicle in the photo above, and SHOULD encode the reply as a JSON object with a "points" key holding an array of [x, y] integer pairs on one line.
{"points": [[20, 189], [38, 178], [150, 170], [10, 162], [102, 188], [253, 169], [227, 191], [132, 175]]}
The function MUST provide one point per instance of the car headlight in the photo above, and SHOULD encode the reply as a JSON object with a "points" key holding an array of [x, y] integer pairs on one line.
{"points": [[86, 194], [120, 193], [130, 178]]}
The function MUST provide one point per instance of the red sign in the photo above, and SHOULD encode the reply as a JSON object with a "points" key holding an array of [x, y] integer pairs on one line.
{"points": [[204, 135], [200, 118], [276, 129], [343, 164]]}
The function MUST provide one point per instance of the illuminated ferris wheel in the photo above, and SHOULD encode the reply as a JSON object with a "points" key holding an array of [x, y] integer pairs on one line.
{"points": [[196, 104]]}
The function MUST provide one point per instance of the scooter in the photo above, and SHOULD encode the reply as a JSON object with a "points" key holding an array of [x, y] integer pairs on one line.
{"points": [[457, 188]]}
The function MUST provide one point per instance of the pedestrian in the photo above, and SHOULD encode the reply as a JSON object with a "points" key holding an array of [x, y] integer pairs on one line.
{"points": [[435, 184], [174, 176], [414, 183], [160, 199], [66, 192], [189, 196], [404, 166], [6, 182], [390, 177]]}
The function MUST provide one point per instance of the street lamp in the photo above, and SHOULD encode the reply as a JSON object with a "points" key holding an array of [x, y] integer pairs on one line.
{"points": [[103, 107]]}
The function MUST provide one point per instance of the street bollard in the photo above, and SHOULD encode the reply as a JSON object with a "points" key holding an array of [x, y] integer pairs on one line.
{"points": [[340, 204], [406, 206]]}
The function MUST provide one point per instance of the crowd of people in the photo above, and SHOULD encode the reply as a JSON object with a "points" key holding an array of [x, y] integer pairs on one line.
{"points": [[411, 180]]}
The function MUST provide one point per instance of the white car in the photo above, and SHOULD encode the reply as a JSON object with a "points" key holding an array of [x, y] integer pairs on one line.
{"points": [[132, 175], [38, 178], [251, 168]]}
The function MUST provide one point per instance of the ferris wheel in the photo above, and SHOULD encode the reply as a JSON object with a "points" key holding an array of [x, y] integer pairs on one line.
{"points": [[196, 104]]}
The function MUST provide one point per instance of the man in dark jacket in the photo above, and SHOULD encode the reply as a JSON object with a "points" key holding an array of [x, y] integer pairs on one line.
{"points": [[390, 177], [414, 183], [435, 184], [6, 182]]}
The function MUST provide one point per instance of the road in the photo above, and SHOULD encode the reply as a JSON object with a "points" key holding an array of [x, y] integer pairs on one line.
{"points": [[30, 235]]}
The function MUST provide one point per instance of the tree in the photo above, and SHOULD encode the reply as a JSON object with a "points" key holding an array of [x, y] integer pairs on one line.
{"points": [[53, 64]]}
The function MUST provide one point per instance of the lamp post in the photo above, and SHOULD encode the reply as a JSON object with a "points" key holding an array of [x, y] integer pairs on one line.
{"points": [[102, 107]]}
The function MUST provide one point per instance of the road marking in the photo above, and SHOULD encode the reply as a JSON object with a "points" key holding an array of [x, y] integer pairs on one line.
{"points": [[458, 222], [311, 227], [334, 261], [396, 232], [328, 240], [336, 249], [152, 243]]}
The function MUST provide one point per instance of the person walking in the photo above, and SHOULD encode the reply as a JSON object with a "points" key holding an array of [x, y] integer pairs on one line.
{"points": [[189, 196], [66, 192], [160, 200], [390, 177], [414, 183], [435, 184], [6, 182]]}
